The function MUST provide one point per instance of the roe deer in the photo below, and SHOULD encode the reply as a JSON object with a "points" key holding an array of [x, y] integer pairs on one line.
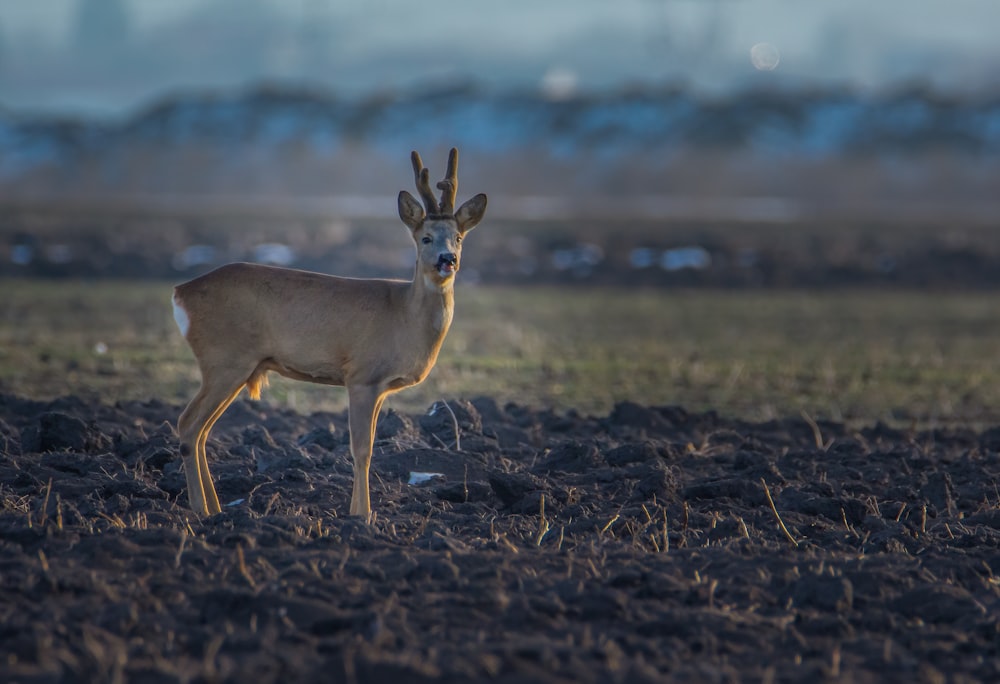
{"points": [[372, 336]]}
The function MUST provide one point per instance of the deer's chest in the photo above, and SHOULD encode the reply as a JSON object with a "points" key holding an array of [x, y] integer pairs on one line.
{"points": [[411, 368], [415, 357]]}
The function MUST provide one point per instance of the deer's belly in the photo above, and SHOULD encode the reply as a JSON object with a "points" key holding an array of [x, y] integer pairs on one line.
{"points": [[326, 374]]}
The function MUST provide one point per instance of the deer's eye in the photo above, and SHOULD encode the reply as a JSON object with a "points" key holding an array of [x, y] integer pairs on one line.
{"points": [[427, 240], [458, 240]]}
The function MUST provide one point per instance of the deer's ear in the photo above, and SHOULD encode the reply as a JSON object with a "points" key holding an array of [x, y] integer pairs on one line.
{"points": [[410, 211], [471, 213]]}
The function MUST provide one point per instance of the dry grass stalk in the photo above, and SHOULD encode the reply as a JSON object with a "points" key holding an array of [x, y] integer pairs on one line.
{"points": [[59, 515], [817, 435], [873, 502], [649, 518], [506, 542], [211, 652], [543, 524], [270, 503], [180, 549], [454, 423], [242, 567], [847, 525], [781, 524], [45, 504], [114, 520]]}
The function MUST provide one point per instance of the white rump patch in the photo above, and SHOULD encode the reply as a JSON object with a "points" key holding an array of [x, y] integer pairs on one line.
{"points": [[180, 315]]}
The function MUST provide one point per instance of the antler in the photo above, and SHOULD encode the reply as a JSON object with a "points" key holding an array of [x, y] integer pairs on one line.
{"points": [[422, 176], [449, 186]]}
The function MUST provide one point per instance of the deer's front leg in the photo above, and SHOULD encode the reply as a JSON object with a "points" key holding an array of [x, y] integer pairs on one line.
{"points": [[364, 403]]}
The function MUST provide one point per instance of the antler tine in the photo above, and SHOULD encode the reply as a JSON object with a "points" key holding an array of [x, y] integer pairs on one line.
{"points": [[449, 186], [423, 179]]}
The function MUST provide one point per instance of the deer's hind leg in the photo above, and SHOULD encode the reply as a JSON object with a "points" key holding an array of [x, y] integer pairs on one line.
{"points": [[218, 390]]}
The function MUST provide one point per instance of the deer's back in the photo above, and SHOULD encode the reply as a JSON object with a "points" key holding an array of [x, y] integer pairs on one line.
{"points": [[261, 304]]}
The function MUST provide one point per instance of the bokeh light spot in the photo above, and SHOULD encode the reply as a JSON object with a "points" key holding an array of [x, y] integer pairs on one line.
{"points": [[765, 56]]}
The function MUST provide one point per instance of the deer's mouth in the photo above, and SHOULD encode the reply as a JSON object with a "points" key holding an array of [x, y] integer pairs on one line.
{"points": [[446, 265]]}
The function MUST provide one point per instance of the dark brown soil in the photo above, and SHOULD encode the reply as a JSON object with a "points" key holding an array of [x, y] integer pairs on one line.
{"points": [[636, 547]]}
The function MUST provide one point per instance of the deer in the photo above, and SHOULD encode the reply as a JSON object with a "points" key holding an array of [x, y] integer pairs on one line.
{"points": [[372, 336]]}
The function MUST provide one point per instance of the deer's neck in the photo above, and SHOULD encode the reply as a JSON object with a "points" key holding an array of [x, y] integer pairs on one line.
{"points": [[431, 307]]}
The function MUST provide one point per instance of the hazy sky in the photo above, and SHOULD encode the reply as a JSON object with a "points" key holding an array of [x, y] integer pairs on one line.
{"points": [[110, 56]]}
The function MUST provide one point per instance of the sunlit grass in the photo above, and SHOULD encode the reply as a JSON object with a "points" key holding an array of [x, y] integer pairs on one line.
{"points": [[854, 355]]}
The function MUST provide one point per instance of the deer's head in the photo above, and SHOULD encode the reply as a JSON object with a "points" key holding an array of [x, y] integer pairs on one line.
{"points": [[438, 231]]}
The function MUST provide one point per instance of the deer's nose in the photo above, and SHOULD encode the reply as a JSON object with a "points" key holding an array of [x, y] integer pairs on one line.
{"points": [[447, 263]]}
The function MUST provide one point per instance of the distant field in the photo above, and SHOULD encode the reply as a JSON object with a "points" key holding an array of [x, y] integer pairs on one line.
{"points": [[855, 355], [924, 251]]}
